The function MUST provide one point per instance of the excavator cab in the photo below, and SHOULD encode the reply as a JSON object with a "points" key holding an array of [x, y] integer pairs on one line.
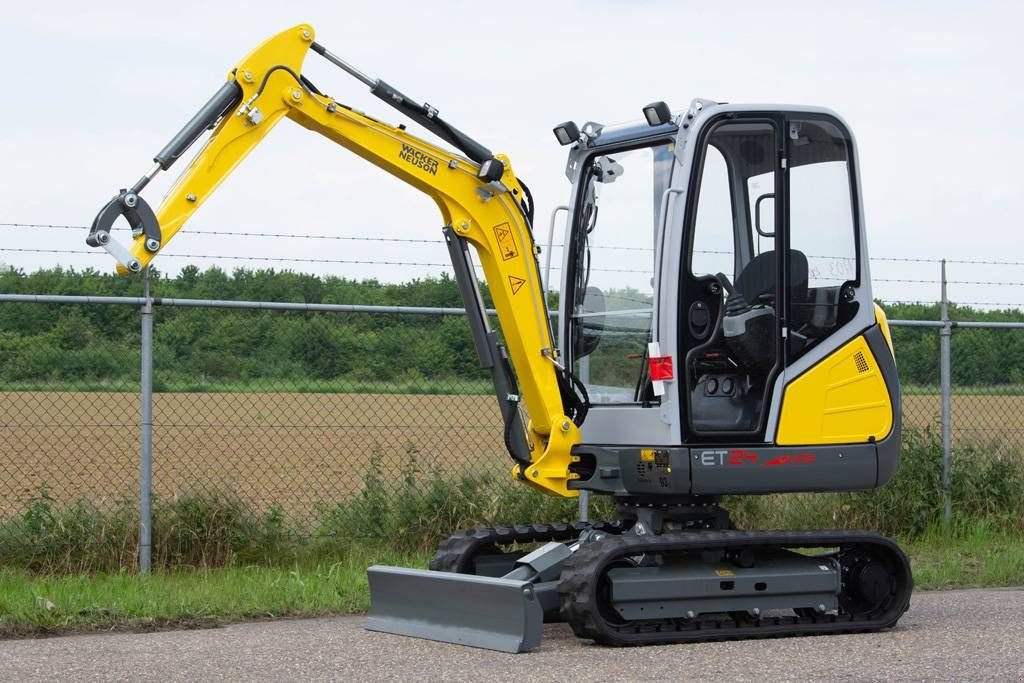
{"points": [[724, 257], [716, 335]]}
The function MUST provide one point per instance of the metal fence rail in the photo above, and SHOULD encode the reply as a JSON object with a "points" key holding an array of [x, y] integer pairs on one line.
{"points": [[359, 421]]}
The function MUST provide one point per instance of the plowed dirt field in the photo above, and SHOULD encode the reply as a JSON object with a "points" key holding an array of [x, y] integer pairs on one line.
{"points": [[297, 450]]}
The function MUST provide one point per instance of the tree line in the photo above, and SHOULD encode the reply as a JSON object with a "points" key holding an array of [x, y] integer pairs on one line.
{"points": [[97, 344]]}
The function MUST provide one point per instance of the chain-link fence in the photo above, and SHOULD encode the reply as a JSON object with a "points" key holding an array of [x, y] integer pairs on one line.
{"points": [[69, 406], [312, 418], [304, 410], [988, 386]]}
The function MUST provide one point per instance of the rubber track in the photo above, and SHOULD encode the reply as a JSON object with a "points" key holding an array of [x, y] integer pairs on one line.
{"points": [[458, 552], [579, 596]]}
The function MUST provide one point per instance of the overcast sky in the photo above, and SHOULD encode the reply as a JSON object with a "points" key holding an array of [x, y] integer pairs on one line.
{"points": [[932, 90]]}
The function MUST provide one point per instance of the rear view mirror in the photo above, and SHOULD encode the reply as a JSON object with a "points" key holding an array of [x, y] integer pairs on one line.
{"points": [[764, 215], [589, 325]]}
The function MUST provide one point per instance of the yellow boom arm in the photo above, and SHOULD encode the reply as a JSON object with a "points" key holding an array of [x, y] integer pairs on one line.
{"points": [[483, 207]]}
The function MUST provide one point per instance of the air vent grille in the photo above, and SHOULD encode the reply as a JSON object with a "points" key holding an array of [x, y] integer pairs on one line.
{"points": [[861, 361]]}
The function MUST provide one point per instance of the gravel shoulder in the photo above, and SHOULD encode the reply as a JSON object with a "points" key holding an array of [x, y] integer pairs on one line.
{"points": [[964, 634]]}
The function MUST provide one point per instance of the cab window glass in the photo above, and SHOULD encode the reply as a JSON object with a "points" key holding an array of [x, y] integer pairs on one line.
{"points": [[822, 236], [713, 241], [614, 265]]}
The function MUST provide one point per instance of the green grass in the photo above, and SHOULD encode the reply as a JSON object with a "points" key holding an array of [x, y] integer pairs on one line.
{"points": [[33, 605], [970, 556]]}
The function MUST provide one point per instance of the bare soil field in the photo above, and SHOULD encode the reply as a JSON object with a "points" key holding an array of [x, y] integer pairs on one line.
{"points": [[976, 417], [298, 450]]}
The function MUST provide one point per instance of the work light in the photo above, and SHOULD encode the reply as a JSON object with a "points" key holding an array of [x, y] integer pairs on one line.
{"points": [[657, 113], [567, 133]]}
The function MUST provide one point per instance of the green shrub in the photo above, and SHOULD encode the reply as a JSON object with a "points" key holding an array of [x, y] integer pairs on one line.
{"points": [[193, 530], [424, 505], [987, 485], [427, 505]]}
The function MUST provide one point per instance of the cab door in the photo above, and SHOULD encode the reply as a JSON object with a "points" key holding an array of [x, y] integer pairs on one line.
{"points": [[731, 314]]}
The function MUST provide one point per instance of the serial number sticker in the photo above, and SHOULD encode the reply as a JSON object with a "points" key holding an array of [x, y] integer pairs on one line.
{"points": [[725, 572], [506, 243]]}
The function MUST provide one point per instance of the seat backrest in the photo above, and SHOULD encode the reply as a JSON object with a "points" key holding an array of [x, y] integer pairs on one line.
{"points": [[758, 276]]}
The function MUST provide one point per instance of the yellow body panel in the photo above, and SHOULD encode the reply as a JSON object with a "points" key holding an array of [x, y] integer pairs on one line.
{"points": [[842, 399], [487, 215], [883, 322]]}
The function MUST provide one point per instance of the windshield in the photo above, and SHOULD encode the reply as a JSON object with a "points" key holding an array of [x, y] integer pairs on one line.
{"points": [[613, 265]]}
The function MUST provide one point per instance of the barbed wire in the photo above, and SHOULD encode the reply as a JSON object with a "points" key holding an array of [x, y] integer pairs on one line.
{"points": [[282, 259], [910, 302], [1004, 304], [353, 238], [229, 233], [906, 281], [413, 240], [907, 259], [427, 264], [234, 257], [925, 302], [986, 263], [998, 283]]}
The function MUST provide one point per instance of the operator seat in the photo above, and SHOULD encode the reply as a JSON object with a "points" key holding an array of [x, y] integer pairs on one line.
{"points": [[749, 320]]}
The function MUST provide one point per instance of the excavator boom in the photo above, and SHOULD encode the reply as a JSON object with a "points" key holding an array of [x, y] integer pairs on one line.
{"points": [[482, 202]]}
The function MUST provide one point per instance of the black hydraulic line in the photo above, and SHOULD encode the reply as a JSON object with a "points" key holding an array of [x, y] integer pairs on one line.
{"points": [[308, 84], [299, 78], [529, 203]]}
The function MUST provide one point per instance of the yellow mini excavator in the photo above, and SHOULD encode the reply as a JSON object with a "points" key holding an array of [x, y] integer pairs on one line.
{"points": [[717, 335]]}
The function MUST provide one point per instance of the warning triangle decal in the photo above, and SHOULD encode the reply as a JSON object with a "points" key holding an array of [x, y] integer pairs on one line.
{"points": [[516, 283]]}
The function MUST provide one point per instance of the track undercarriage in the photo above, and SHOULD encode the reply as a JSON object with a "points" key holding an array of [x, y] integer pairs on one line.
{"points": [[668, 574]]}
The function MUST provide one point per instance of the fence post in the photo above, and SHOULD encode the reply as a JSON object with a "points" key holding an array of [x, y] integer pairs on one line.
{"points": [[146, 452], [945, 370], [584, 506]]}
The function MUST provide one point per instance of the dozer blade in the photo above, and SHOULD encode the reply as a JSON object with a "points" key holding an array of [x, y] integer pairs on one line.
{"points": [[479, 611]]}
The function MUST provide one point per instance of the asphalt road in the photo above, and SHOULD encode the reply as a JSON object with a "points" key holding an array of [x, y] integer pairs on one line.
{"points": [[955, 635]]}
